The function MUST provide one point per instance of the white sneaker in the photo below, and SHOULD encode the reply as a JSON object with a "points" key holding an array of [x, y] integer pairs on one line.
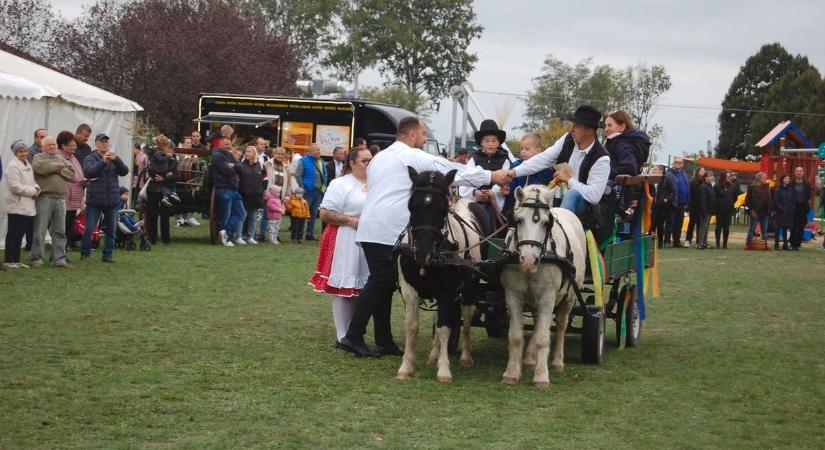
{"points": [[275, 242], [193, 222], [239, 241], [224, 240], [251, 241]]}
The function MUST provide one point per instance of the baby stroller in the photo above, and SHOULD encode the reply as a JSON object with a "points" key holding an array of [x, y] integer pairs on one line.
{"points": [[127, 229]]}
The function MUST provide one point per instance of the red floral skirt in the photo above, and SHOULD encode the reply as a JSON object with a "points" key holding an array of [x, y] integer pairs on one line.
{"points": [[324, 266]]}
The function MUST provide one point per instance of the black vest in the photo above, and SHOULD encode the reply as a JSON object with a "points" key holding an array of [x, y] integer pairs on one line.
{"points": [[490, 162], [589, 160]]}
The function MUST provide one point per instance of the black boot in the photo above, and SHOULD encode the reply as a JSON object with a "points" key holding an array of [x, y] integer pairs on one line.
{"points": [[359, 348]]}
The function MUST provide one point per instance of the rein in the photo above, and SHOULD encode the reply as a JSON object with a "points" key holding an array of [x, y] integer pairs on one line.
{"points": [[446, 237]]}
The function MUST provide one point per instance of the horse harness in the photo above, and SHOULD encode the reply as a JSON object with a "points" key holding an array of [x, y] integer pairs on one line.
{"points": [[538, 205]]}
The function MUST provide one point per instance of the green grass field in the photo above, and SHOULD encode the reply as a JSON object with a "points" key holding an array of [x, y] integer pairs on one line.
{"points": [[198, 346]]}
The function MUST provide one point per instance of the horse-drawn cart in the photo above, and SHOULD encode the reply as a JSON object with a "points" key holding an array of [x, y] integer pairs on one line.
{"points": [[623, 264]]}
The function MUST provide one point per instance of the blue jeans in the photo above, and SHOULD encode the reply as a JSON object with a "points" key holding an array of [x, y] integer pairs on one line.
{"points": [[762, 220], [264, 223], [313, 199], [573, 201], [230, 209], [93, 214], [249, 222]]}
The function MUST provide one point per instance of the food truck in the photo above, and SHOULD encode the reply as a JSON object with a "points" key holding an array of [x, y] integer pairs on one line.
{"points": [[297, 122]]}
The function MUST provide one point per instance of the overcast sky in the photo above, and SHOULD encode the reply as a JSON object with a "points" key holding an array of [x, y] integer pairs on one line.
{"points": [[702, 44]]}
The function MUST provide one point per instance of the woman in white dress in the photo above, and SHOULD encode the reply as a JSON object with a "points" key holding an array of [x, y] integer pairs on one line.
{"points": [[341, 270]]}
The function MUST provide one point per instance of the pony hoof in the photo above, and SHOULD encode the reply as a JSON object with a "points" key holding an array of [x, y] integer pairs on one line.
{"points": [[443, 379], [509, 381], [557, 368], [467, 363], [541, 384], [403, 376], [431, 361], [529, 364]]}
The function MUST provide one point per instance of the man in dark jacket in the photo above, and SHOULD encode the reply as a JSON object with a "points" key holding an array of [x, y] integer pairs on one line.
{"points": [[228, 199], [706, 207], [801, 206], [81, 136], [758, 202], [673, 226], [664, 194], [336, 166], [102, 168]]}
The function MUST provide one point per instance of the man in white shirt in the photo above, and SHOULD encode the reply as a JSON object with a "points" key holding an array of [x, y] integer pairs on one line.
{"points": [[384, 218], [589, 161]]}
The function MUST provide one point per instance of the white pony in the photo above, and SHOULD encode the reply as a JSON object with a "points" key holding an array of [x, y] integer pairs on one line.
{"points": [[541, 230]]}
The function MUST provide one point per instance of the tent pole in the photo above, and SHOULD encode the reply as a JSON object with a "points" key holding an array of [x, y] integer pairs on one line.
{"points": [[48, 108]]}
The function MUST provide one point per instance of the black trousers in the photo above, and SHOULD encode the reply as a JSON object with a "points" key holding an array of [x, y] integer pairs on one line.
{"points": [[14, 236], [674, 224], [376, 298], [722, 228], [71, 233], [297, 228], [155, 209], [29, 233], [693, 225], [800, 219], [661, 214]]}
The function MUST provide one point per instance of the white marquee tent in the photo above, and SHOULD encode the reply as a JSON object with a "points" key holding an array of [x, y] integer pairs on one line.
{"points": [[33, 96]]}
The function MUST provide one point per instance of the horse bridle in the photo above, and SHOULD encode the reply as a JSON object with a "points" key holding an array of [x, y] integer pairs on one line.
{"points": [[430, 188], [538, 205]]}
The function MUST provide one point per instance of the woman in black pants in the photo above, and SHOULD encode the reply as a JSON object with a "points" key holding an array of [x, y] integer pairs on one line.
{"points": [[154, 205], [665, 195], [726, 194], [782, 211]]}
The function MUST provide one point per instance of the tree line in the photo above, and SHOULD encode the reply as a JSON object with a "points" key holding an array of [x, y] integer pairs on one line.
{"points": [[163, 53], [772, 86]]}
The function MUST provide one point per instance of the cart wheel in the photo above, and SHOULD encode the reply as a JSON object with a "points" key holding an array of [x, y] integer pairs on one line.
{"points": [[452, 342], [593, 338], [497, 321], [131, 246], [632, 320], [145, 245]]}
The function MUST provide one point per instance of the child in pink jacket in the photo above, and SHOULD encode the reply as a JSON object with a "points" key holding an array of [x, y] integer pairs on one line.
{"points": [[274, 212]]}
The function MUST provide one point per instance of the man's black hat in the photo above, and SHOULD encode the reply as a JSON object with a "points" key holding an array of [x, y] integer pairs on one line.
{"points": [[588, 116], [488, 127]]}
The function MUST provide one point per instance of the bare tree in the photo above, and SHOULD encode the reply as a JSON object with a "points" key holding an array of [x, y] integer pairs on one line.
{"points": [[647, 86], [26, 25]]}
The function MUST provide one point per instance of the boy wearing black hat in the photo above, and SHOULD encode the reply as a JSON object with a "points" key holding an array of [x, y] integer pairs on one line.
{"points": [[491, 156], [582, 151]]}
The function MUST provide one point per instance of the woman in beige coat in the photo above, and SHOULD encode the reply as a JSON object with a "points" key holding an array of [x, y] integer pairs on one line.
{"points": [[21, 190]]}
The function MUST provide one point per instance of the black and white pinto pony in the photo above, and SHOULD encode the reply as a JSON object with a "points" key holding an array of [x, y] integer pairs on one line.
{"points": [[551, 248], [440, 229]]}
